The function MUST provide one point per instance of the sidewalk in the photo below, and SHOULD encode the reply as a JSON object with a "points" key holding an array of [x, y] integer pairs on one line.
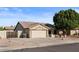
{"points": [[13, 44]]}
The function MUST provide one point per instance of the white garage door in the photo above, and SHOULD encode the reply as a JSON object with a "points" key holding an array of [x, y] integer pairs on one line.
{"points": [[38, 34]]}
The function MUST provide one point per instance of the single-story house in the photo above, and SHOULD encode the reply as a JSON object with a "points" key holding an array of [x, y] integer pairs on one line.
{"points": [[74, 31], [33, 30], [9, 28]]}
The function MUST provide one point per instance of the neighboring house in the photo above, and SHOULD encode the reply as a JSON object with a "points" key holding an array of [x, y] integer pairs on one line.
{"points": [[9, 28], [33, 30], [74, 31]]}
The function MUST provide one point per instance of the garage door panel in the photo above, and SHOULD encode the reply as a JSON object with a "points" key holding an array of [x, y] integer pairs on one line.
{"points": [[38, 34]]}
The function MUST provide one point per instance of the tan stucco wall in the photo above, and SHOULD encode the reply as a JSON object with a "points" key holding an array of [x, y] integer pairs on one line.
{"points": [[52, 35], [39, 27], [3, 34], [19, 33], [72, 32]]}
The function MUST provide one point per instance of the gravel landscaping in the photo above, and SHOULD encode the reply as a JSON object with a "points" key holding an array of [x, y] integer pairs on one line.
{"points": [[39, 43]]}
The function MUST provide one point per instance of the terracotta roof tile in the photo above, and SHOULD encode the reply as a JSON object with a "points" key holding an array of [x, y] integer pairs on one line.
{"points": [[26, 24], [29, 24]]}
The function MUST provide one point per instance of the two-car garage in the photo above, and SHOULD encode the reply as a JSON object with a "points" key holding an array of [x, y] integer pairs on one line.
{"points": [[38, 34]]}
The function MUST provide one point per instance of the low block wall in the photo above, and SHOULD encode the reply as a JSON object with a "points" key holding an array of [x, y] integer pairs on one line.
{"points": [[11, 34], [2, 34], [7, 34]]}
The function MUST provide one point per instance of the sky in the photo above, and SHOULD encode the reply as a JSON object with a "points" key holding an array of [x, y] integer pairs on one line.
{"points": [[11, 15]]}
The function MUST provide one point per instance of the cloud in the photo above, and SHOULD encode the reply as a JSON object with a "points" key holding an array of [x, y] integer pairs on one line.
{"points": [[10, 10], [6, 13], [4, 9], [17, 9], [77, 10], [44, 17]]}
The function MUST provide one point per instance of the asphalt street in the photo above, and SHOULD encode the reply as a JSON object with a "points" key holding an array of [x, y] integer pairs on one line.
{"points": [[58, 48]]}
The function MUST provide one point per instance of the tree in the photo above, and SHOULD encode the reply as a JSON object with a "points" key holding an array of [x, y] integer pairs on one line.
{"points": [[1, 28], [66, 20]]}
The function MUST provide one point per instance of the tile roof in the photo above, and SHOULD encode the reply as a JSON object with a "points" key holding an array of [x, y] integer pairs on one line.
{"points": [[30, 24], [26, 24]]}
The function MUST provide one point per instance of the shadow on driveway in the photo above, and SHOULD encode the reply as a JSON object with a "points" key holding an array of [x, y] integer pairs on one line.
{"points": [[58, 48]]}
